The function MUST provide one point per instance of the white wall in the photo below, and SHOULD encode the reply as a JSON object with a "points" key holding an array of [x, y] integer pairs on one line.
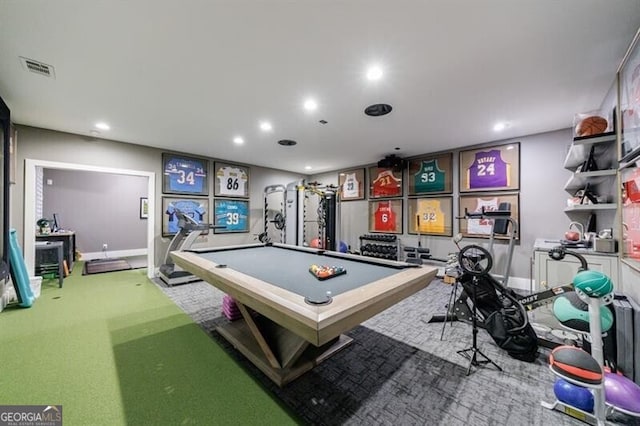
{"points": [[542, 200], [48, 145]]}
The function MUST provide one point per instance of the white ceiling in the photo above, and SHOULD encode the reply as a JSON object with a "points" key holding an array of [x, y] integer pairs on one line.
{"points": [[190, 75]]}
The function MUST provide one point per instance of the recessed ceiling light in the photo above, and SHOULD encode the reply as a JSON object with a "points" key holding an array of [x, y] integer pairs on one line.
{"points": [[238, 140], [102, 126], [374, 73], [310, 105], [265, 126], [500, 126], [308, 167]]}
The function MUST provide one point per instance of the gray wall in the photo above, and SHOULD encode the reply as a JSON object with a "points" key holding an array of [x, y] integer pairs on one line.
{"points": [[98, 207], [542, 200], [49, 145]]}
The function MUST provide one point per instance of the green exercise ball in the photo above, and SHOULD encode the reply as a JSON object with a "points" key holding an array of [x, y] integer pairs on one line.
{"points": [[593, 283]]}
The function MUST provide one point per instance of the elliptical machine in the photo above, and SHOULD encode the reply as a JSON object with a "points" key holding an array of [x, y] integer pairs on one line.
{"points": [[189, 231]]}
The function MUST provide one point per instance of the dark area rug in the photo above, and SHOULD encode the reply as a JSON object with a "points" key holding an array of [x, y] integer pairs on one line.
{"points": [[99, 266]]}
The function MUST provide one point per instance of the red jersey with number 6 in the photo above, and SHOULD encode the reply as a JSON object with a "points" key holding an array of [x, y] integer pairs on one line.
{"points": [[384, 219]]}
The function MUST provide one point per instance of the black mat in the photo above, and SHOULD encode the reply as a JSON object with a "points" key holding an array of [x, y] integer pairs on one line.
{"points": [[99, 266]]}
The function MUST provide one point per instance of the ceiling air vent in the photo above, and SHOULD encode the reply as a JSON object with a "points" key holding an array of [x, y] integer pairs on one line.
{"points": [[37, 67]]}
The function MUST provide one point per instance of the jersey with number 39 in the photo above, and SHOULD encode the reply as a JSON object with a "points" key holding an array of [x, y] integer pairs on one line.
{"points": [[429, 178], [384, 219], [488, 170], [232, 181]]}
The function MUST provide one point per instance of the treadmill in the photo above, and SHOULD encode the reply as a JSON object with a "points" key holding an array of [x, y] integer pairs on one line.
{"points": [[190, 230]]}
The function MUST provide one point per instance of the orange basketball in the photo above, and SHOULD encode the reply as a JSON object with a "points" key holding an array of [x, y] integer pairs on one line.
{"points": [[590, 126], [316, 243]]}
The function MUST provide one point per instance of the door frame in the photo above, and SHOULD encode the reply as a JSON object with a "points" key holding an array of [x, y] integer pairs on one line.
{"points": [[30, 169]]}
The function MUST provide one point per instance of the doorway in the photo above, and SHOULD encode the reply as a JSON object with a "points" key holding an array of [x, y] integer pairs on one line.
{"points": [[30, 170]]}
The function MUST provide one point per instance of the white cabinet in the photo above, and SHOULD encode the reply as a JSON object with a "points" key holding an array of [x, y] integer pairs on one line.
{"points": [[552, 273]]}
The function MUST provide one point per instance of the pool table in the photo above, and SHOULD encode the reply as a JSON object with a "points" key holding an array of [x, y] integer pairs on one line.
{"points": [[292, 320]]}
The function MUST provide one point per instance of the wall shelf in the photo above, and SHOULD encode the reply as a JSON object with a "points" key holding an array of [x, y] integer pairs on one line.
{"points": [[579, 180], [591, 207]]}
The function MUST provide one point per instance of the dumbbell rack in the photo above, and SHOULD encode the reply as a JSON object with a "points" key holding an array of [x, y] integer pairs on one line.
{"points": [[385, 246]]}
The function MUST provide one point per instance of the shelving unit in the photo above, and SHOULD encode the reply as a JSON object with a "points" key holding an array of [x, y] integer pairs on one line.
{"points": [[602, 181]]}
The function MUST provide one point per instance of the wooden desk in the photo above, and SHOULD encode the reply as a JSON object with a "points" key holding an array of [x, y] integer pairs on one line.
{"points": [[68, 238], [45, 260]]}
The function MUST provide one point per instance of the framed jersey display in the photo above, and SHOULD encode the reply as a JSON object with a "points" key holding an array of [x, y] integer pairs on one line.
{"points": [[629, 82], [431, 175], [630, 178], [385, 216], [431, 216], [483, 227], [232, 214], [384, 183], [184, 175], [230, 180], [351, 185], [197, 208], [495, 168]]}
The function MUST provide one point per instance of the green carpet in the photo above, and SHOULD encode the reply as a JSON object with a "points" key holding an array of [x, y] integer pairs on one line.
{"points": [[112, 349]]}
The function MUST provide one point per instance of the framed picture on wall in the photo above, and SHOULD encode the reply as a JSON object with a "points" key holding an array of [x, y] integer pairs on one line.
{"points": [[232, 215], [630, 178], [629, 77], [384, 183], [351, 184], [431, 216], [431, 175], [230, 180], [483, 227], [197, 208], [184, 175], [144, 208], [385, 216], [495, 168]]}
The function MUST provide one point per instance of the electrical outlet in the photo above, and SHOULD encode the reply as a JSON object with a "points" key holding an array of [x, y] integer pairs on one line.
{"points": [[104, 246]]}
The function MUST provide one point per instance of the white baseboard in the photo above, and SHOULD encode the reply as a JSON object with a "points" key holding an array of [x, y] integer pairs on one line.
{"points": [[116, 253]]}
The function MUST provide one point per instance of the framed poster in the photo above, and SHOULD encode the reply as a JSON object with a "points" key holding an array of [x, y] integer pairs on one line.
{"points": [[197, 208], [232, 214], [629, 80], [431, 216], [144, 208], [431, 175], [384, 183], [385, 216], [630, 178], [483, 227], [495, 168], [184, 175], [230, 181], [351, 185]]}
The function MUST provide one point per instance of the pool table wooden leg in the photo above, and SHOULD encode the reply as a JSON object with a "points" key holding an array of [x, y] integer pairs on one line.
{"points": [[279, 353]]}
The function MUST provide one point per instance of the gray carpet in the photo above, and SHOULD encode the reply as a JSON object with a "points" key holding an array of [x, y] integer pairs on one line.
{"points": [[399, 372]]}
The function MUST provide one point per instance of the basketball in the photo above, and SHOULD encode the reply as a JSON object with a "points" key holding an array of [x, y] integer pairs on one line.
{"points": [[593, 283], [593, 125], [316, 243]]}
